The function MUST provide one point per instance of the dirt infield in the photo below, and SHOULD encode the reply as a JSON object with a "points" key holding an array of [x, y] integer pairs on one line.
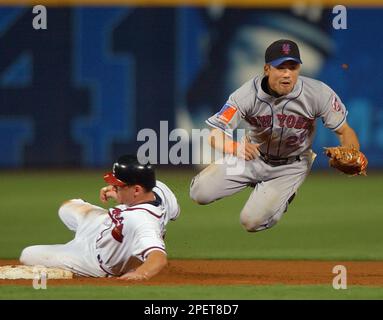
{"points": [[241, 272]]}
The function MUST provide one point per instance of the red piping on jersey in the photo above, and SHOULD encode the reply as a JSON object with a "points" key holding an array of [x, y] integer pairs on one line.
{"points": [[111, 274], [152, 213], [100, 265], [102, 233], [142, 254]]}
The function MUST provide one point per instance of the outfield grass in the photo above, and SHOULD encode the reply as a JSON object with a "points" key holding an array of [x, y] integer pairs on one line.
{"points": [[282, 292], [332, 218]]}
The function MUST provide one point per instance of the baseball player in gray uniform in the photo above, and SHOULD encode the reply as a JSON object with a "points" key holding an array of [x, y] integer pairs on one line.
{"points": [[280, 108], [126, 241]]}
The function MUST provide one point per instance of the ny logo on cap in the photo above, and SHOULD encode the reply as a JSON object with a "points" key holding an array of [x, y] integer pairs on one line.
{"points": [[286, 48]]}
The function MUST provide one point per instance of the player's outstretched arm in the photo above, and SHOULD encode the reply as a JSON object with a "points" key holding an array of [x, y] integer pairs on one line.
{"points": [[221, 142], [347, 158], [245, 150], [347, 136], [153, 264]]}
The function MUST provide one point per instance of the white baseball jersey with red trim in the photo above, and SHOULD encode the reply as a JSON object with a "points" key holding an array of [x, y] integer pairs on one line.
{"points": [[129, 232], [135, 231], [108, 242]]}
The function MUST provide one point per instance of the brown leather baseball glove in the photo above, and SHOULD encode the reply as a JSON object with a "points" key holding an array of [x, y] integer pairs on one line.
{"points": [[349, 160]]}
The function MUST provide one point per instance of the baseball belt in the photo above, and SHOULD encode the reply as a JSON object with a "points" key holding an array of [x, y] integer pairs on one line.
{"points": [[277, 161]]}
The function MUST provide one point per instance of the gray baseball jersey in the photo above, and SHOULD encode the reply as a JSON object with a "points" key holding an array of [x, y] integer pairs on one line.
{"points": [[285, 126]]}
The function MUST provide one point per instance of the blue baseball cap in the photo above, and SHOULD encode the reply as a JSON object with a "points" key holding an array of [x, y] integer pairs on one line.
{"points": [[281, 51]]}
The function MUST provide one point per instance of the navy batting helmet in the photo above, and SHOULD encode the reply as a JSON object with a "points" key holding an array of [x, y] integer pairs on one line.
{"points": [[128, 171]]}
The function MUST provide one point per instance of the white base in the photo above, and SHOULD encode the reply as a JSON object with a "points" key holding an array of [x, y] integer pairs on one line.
{"points": [[33, 272]]}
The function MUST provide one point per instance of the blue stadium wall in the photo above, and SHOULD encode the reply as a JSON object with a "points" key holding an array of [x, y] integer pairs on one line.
{"points": [[77, 93]]}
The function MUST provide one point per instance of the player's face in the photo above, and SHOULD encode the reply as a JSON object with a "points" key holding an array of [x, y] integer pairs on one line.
{"points": [[126, 195], [246, 55], [283, 78]]}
